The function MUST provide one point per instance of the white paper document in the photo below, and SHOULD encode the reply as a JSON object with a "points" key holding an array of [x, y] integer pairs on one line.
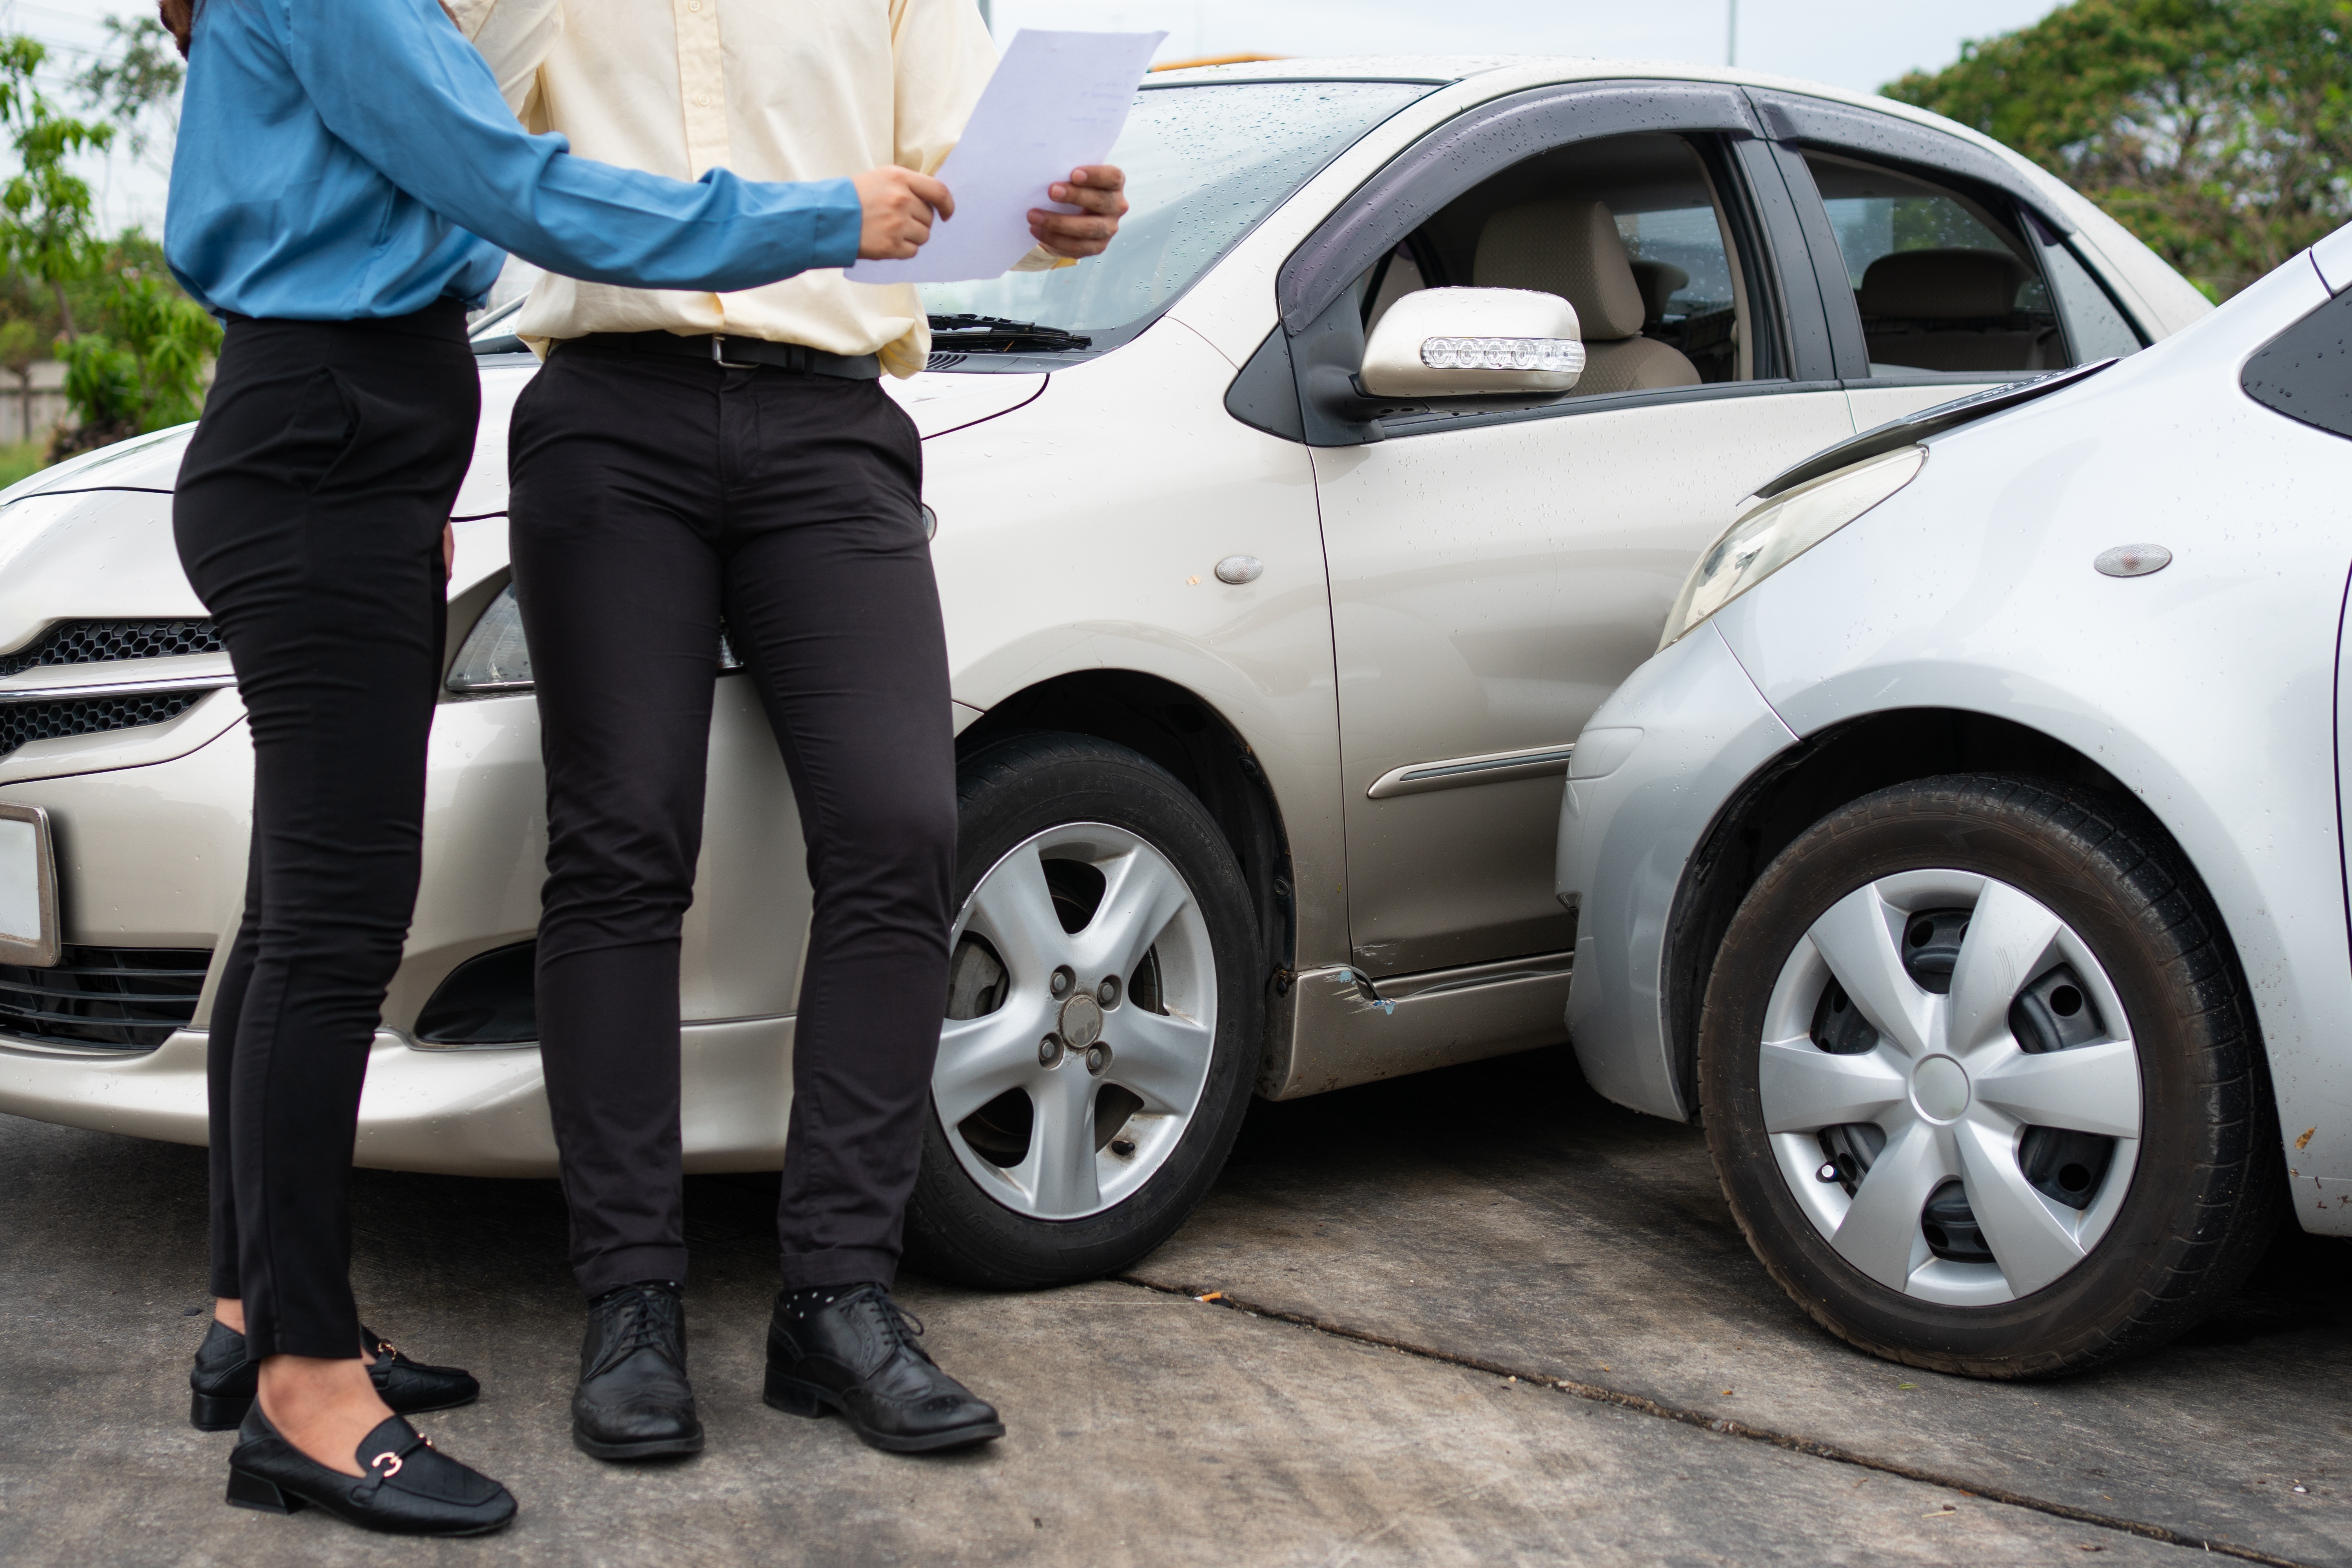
{"points": [[1056, 103]]}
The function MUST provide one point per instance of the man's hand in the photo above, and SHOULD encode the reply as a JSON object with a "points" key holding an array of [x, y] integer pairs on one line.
{"points": [[899, 206], [1100, 190]]}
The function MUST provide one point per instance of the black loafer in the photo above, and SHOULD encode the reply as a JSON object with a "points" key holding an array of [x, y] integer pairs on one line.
{"points": [[221, 1382], [634, 1402], [856, 1354], [410, 1488], [413, 1387]]}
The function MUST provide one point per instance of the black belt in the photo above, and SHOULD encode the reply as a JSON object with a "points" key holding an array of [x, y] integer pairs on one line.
{"points": [[734, 353]]}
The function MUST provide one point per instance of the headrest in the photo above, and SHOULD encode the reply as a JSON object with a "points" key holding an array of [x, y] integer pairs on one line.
{"points": [[1657, 280], [1568, 249], [1941, 285]]}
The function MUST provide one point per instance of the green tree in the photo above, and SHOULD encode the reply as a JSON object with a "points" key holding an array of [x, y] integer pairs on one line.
{"points": [[2219, 131], [134, 345], [134, 83], [45, 207], [141, 366]]}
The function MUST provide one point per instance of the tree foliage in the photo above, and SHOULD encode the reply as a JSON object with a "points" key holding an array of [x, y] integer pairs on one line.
{"points": [[44, 207], [2219, 131], [134, 82], [141, 367], [134, 345]]}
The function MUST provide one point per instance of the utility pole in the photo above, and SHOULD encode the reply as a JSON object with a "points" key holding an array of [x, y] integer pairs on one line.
{"points": [[1731, 30]]}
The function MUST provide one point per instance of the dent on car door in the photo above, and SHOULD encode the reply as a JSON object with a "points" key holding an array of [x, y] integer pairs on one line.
{"points": [[1495, 573], [1938, 274]]}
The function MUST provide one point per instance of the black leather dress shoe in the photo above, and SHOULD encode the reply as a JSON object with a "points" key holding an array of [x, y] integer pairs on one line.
{"points": [[634, 1402], [856, 1354], [222, 1382], [410, 1488]]}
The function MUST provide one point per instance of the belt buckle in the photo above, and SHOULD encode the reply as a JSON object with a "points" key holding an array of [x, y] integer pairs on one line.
{"points": [[719, 357]]}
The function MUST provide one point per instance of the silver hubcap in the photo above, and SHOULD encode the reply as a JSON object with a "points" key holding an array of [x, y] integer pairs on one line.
{"points": [[1950, 1087], [1081, 1016]]}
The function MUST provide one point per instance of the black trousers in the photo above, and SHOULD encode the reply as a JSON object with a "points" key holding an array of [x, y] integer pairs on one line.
{"points": [[309, 518], [651, 494]]}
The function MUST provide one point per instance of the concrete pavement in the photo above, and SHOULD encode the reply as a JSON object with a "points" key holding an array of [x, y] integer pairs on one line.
{"points": [[1582, 1242], [1495, 1215]]}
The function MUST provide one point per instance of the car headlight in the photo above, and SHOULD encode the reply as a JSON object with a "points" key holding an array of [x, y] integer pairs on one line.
{"points": [[1769, 535], [496, 660]]}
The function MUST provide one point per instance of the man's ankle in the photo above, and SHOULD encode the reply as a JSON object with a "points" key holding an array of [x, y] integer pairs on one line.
{"points": [[674, 1286], [799, 1300]]}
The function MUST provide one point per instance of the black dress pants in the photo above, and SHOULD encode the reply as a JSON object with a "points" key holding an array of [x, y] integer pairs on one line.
{"points": [[309, 516], [651, 494]]}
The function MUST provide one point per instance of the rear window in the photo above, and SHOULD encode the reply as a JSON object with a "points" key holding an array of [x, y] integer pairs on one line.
{"points": [[2305, 371]]}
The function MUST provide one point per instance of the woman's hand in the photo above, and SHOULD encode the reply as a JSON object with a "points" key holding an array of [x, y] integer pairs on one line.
{"points": [[899, 204]]}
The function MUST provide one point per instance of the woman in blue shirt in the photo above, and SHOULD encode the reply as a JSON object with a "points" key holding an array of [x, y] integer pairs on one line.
{"points": [[346, 178]]}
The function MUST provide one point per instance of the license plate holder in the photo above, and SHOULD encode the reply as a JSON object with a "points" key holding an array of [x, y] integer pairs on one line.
{"points": [[28, 888]]}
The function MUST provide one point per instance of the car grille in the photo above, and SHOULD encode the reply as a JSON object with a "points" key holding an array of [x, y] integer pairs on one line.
{"points": [[103, 642], [22, 723], [103, 998]]}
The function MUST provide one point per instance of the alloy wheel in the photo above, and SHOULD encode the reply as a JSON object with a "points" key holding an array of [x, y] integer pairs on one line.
{"points": [[1950, 1087], [1081, 1021]]}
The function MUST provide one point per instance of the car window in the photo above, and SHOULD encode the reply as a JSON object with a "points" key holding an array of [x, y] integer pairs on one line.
{"points": [[2097, 327], [1628, 229], [1203, 164], [1942, 281], [2305, 371]]}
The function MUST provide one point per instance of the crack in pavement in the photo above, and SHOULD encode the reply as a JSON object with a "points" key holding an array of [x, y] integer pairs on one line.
{"points": [[1723, 1425]]}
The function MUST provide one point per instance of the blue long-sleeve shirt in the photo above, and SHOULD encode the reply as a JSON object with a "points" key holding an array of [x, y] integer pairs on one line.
{"points": [[347, 159]]}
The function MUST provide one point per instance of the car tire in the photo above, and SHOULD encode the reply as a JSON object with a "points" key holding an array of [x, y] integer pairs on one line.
{"points": [[2168, 1222], [993, 1206]]}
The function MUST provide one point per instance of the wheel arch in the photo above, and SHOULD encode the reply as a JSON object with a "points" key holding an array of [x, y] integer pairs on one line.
{"points": [[1834, 766], [1194, 740]]}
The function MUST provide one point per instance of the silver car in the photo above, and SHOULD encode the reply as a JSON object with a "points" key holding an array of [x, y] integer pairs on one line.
{"points": [[1972, 852], [1424, 382]]}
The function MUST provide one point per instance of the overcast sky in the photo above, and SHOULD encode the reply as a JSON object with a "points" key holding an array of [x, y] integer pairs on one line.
{"points": [[1857, 43]]}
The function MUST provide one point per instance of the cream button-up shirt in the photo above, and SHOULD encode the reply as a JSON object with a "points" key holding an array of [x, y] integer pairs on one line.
{"points": [[771, 90]]}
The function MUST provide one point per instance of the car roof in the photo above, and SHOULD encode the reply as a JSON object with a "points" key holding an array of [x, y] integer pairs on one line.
{"points": [[1433, 68], [1512, 73]]}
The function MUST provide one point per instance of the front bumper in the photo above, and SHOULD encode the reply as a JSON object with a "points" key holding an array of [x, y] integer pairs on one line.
{"points": [[153, 857], [1651, 773], [453, 1112]]}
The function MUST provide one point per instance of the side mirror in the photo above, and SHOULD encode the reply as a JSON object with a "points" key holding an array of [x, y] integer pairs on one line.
{"points": [[1474, 343]]}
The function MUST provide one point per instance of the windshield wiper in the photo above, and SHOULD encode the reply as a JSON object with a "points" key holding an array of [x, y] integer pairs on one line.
{"points": [[997, 335]]}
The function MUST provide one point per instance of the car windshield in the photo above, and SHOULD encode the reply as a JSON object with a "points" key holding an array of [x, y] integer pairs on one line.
{"points": [[1204, 163]]}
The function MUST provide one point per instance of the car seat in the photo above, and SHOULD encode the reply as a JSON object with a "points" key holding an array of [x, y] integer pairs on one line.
{"points": [[1657, 280], [1571, 248], [1951, 310]]}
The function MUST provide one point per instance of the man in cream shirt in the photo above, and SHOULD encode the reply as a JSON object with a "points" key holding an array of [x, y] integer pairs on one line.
{"points": [[687, 456]]}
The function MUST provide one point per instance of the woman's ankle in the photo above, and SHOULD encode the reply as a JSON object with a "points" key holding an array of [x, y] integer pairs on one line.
{"points": [[325, 1408], [229, 1314]]}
